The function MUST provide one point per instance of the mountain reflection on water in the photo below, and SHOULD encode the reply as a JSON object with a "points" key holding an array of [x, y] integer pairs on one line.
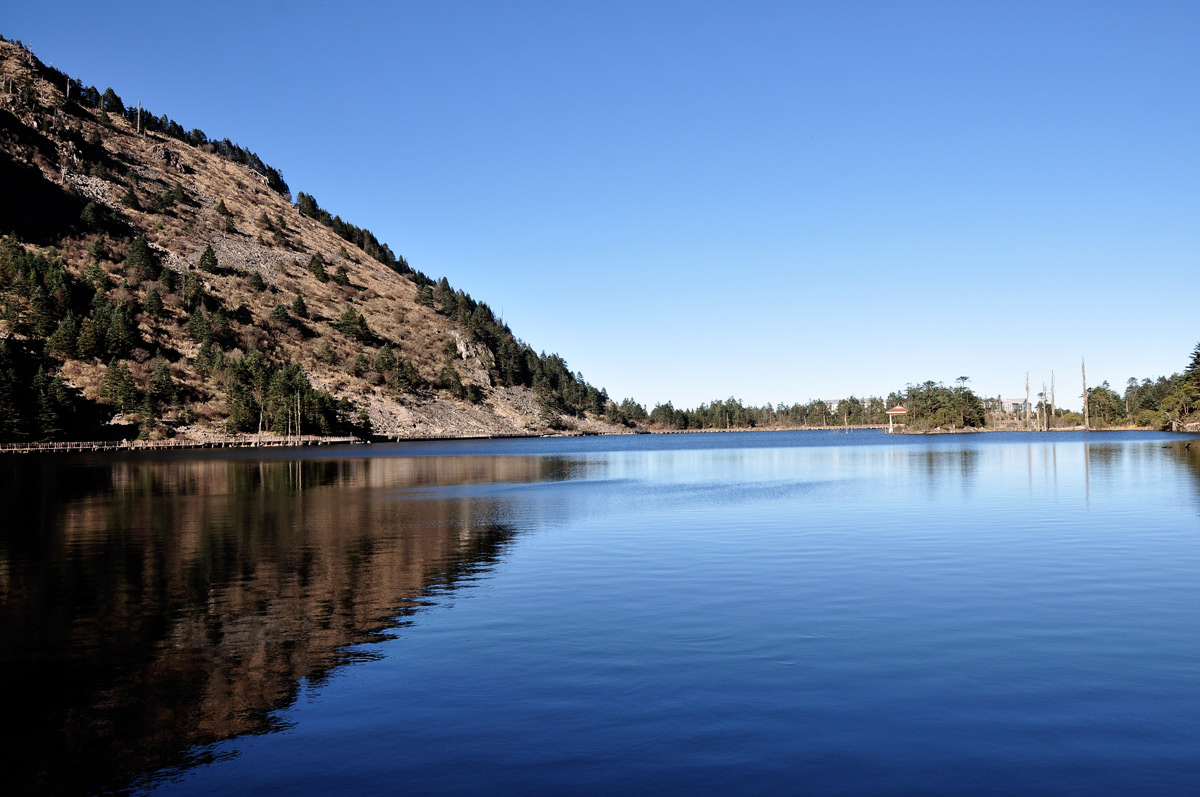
{"points": [[150, 607]]}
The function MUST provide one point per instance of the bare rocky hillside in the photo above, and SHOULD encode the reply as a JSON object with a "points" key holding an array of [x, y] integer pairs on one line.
{"points": [[396, 353]]}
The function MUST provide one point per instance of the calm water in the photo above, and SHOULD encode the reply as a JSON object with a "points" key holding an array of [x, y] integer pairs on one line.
{"points": [[771, 612]]}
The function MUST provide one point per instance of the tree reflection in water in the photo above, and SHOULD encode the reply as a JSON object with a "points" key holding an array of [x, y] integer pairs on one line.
{"points": [[149, 607]]}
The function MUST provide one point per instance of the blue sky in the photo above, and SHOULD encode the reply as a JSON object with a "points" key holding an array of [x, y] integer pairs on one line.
{"points": [[691, 200]]}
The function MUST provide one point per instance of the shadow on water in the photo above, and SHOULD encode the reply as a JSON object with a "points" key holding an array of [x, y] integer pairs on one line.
{"points": [[150, 608]]}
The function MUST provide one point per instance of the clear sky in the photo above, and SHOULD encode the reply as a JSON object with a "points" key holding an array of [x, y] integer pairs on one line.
{"points": [[692, 200]]}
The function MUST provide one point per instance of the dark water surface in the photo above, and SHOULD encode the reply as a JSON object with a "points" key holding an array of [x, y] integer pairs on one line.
{"points": [[767, 613]]}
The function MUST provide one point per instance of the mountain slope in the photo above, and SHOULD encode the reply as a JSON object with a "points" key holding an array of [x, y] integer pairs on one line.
{"points": [[158, 283]]}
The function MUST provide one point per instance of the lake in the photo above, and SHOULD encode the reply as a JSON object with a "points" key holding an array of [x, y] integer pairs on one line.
{"points": [[762, 612]]}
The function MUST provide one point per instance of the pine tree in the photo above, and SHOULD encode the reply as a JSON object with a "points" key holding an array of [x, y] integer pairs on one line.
{"points": [[193, 293], [316, 266], [94, 275], [129, 199], [90, 216], [121, 333], [1192, 372], [385, 360], [199, 327], [47, 418], [117, 386], [139, 262], [152, 305], [299, 308], [43, 313], [208, 260], [450, 379], [162, 386], [62, 342], [111, 102], [90, 343], [11, 421], [168, 279]]}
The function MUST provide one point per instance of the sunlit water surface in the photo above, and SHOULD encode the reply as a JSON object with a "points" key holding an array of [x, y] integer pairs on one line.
{"points": [[769, 612]]}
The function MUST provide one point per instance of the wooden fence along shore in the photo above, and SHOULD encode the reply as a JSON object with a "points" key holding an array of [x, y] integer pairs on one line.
{"points": [[237, 441]]}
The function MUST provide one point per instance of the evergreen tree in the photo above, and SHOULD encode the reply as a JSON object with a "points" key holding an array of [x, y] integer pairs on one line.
{"points": [[90, 216], [316, 266], [299, 308], [111, 102], [326, 355], [208, 260], [169, 280], [353, 325], [193, 293], [94, 276], [139, 262], [406, 375], [121, 334], [117, 386], [256, 281], [152, 305], [199, 328], [11, 411], [43, 312], [129, 199], [162, 386], [450, 379], [385, 360], [221, 330], [1192, 372], [90, 343], [62, 342], [224, 211], [47, 418]]}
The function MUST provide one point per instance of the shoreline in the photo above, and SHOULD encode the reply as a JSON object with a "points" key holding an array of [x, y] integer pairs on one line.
{"points": [[313, 441]]}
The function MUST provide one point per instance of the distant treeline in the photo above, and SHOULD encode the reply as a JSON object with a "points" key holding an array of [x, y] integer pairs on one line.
{"points": [[1162, 403], [928, 404]]}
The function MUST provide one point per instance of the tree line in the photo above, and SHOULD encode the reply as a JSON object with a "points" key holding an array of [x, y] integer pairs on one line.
{"points": [[929, 404]]}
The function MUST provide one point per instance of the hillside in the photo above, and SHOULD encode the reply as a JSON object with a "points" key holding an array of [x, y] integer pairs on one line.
{"points": [[155, 283]]}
